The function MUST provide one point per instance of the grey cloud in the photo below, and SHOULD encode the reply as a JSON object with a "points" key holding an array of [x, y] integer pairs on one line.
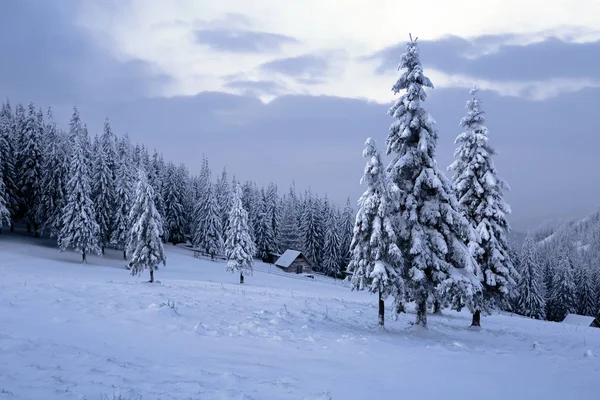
{"points": [[256, 88], [46, 57], [308, 66], [551, 58], [241, 40]]}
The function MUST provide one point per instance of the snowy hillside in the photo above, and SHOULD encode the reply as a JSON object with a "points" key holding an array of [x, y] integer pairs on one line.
{"points": [[73, 331]]}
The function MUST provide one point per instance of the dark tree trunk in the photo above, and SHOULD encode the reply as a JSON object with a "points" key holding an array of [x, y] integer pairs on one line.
{"points": [[437, 308], [400, 307], [381, 310], [241, 278], [124, 254], [12, 227], [422, 313], [102, 248], [476, 318], [151, 275], [28, 227], [83, 259], [36, 230]]}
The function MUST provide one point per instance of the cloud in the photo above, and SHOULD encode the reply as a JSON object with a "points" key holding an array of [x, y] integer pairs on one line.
{"points": [[242, 41], [259, 89], [47, 57], [503, 58]]}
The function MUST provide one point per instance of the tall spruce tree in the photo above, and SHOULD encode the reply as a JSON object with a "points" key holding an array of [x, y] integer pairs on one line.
{"points": [[30, 167], [103, 192], [346, 227], [376, 260], [289, 235], [4, 213], [480, 196], [80, 230], [173, 194], [530, 300], [586, 292], [239, 247], [563, 296], [432, 232], [223, 194], [273, 211], [265, 237], [144, 246], [331, 245], [207, 235], [312, 236], [124, 181], [8, 157]]}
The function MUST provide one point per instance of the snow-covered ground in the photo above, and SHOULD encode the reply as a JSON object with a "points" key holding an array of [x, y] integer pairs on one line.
{"points": [[73, 331]]}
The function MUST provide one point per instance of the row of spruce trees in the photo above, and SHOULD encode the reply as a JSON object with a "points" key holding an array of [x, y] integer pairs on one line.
{"points": [[81, 190]]}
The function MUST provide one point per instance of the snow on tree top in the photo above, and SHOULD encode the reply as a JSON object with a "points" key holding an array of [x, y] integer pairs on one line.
{"points": [[287, 258]]}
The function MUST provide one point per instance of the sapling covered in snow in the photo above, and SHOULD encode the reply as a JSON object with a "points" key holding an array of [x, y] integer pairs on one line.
{"points": [[376, 260], [479, 191], [431, 231], [239, 247], [79, 229], [144, 246], [529, 292]]}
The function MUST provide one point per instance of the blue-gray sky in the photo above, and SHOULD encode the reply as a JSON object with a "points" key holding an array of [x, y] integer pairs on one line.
{"points": [[289, 91]]}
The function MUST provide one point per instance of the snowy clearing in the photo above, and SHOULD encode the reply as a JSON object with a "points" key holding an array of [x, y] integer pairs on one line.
{"points": [[73, 331]]}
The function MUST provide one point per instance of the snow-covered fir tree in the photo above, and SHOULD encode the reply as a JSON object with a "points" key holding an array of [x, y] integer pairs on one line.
{"points": [[156, 174], [432, 232], [55, 172], [173, 194], [103, 192], [30, 167], [224, 201], [289, 237], [331, 244], [4, 213], [250, 202], [207, 235], [480, 196], [79, 230], [346, 229], [376, 261], [144, 246], [239, 247], [563, 296], [311, 233], [529, 292], [273, 211], [265, 237], [586, 292], [124, 185], [7, 155]]}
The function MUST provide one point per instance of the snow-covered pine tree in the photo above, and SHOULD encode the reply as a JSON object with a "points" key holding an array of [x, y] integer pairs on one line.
{"points": [[376, 261], [346, 228], [4, 213], [124, 185], [563, 297], [224, 201], [156, 179], [173, 194], [239, 247], [273, 212], [7, 155], [289, 234], [265, 237], [331, 245], [311, 234], [79, 230], [480, 196], [207, 235], [432, 232], [529, 299], [144, 246], [103, 192], [30, 167], [18, 134], [54, 179], [586, 292], [250, 202]]}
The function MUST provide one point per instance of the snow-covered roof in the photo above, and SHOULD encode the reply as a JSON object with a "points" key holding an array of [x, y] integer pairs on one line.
{"points": [[287, 258], [581, 320]]}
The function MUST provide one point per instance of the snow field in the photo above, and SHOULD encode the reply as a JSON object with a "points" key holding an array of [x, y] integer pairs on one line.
{"points": [[73, 331]]}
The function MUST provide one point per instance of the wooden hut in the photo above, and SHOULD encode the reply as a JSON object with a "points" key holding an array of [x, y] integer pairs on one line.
{"points": [[293, 261], [581, 320]]}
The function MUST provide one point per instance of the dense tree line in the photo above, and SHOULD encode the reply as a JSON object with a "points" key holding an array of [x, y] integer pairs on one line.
{"points": [[82, 190]]}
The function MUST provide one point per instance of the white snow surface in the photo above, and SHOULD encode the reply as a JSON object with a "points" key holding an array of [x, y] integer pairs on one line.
{"points": [[287, 258], [581, 320], [74, 331]]}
